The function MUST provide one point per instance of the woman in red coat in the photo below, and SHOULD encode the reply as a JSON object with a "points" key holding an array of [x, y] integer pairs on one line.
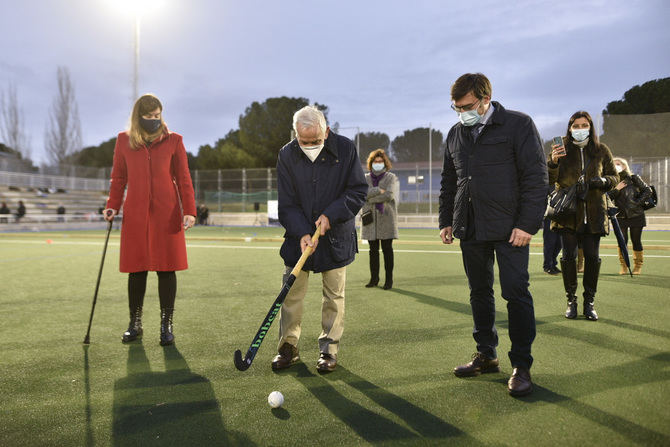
{"points": [[151, 163]]}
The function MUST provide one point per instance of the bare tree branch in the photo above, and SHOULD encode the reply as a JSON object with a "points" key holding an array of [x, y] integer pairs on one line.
{"points": [[63, 132], [12, 123]]}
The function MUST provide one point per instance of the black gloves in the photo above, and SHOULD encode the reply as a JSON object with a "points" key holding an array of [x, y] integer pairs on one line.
{"points": [[598, 182], [584, 185]]}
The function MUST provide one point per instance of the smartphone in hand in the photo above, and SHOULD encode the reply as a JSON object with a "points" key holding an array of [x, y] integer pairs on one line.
{"points": [[558, 141]]}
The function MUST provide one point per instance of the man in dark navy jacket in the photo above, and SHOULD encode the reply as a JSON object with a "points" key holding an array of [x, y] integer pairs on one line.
{"points": [[320, 181], [493, 197]]}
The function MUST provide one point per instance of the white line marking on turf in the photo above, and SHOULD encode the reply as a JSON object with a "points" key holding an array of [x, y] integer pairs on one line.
{"points": [[249, 247]]}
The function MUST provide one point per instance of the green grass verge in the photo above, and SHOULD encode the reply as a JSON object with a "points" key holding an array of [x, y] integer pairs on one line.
{"points": [[597, 383]]}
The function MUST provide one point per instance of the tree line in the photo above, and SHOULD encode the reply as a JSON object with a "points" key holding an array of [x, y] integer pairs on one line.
{"points": [[636, 125]]}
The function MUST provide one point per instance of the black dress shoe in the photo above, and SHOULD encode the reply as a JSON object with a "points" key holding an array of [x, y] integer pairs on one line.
{"points": [[372, 283], [553, 271], [326, 362], [519, 383], [480, 364], [388, 285], [288, 355]]}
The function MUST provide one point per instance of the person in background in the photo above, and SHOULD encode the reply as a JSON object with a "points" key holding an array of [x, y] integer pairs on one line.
{"points": [[580, 258], [584, 161], [203, 214], [20, 211], [628, 195], [320, 183], [4, 210], [551, 243], [60, 211], [159, 206], [493, 197], [383, 191]]}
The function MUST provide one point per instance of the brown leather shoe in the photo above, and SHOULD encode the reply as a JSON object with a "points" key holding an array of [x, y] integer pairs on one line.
{"points": [[326, 362], [480, 364], [288, 355], [520, 384]]}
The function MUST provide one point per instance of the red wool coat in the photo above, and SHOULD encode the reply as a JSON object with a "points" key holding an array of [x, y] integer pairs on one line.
{"points": [[159, 193]]}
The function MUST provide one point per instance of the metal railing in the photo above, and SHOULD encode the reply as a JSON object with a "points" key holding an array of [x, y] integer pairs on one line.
{"points": [[24, 180]]}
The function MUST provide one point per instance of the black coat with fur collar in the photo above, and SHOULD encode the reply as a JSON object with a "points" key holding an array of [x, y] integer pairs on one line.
{"points": [[591, 216]]}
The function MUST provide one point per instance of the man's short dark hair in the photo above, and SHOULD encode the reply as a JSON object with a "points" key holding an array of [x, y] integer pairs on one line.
{"points": [[476, 83]]}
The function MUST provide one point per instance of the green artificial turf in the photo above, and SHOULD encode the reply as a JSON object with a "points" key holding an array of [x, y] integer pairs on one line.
{"points": [[596, 383]]}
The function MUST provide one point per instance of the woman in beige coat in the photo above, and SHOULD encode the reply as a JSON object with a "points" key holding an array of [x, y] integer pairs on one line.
{"points": [[381, 202]]}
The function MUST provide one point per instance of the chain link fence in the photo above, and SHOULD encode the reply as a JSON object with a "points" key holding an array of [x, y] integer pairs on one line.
{"points": [[249, 190]]}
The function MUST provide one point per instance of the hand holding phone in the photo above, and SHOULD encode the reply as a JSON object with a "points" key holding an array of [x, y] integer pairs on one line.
{"points": [[557, 149]]}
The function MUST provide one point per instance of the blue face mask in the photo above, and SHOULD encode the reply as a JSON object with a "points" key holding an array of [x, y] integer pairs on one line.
{"points": [[469, 118], [579, 134], [378, 167]]}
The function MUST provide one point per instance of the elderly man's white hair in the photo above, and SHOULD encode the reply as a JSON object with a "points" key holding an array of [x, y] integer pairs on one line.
{"points": [[308, 117]]}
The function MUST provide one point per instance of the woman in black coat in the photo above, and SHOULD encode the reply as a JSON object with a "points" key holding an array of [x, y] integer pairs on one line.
{"points": [[628, 196], [587, 162]]}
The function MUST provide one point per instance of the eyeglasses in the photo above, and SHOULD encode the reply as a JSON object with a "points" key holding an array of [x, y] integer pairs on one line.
{"points": [[466, 107]]}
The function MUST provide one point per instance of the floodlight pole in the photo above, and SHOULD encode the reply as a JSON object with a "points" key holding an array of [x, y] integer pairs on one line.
{"points": [[430, 169], [136, 73], [358, 141]]}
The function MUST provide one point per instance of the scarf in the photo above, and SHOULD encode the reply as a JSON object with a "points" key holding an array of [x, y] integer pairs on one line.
{"points": [[582, 143], [375, 182]]}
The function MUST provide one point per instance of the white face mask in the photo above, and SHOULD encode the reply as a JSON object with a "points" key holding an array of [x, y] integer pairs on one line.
{"points": [[378, 167], [312, 151], [579, 134], [470, 118], [618, 168]]}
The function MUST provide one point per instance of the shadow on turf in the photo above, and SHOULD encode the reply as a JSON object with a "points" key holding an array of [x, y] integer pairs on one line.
{"points": [[175, 407], [463, 308], [281, 413], [630, 374], [368, 424], [87, 390]]}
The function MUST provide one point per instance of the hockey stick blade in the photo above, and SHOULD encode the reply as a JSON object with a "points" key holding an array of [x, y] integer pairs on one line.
{"points": [[241, 364]]}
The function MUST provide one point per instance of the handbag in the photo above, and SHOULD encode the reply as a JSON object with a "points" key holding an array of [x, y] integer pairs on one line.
{"points": [[367, 218], [562, 203], [649, 198]]}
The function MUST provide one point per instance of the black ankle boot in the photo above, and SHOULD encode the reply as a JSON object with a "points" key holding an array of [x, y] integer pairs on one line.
{"points": [[591, 273], [569, 272], [167, 338], [134, 327], [389, 280]]}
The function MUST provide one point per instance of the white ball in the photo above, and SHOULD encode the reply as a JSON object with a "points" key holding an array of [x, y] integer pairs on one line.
{"points": [[275, 399]]}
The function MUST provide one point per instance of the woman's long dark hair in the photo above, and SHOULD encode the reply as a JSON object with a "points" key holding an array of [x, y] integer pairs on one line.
{"points": [[593, 137]]}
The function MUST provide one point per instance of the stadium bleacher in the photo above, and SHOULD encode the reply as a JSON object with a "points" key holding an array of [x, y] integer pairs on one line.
{"points": [[42, 204]]}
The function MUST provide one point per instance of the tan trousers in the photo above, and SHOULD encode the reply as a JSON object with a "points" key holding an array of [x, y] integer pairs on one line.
{"points": [[332, 309]]}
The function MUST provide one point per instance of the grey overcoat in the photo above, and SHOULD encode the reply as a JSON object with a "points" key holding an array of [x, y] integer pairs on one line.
{"points": [[385, 225]]}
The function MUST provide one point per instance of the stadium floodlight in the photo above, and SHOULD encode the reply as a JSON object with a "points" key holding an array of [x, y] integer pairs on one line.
{"points": [[137, 8]]}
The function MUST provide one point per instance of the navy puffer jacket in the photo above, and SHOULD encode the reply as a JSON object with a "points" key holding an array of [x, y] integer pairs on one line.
{"points": [[502, 173]]}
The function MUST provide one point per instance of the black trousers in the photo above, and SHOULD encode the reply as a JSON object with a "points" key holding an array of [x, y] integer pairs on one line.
{"points": [[590, 243], [167, 289], [387, 250], [635, 236], [478, 260], [551, 242]]}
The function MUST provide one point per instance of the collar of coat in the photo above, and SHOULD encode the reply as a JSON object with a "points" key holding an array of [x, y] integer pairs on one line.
{"points": [[330, 145]]}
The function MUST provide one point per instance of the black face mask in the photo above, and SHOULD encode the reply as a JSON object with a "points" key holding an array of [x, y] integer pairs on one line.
{"points": [[151, 126]]}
